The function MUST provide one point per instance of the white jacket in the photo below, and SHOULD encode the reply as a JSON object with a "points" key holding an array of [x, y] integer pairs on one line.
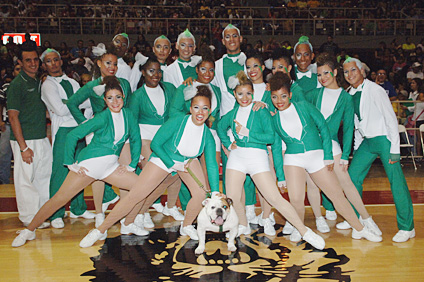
{"points": [[172, 74]]}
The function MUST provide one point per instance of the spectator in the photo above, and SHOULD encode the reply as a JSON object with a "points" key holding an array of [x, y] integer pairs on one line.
{"points": [[31, 148], [75, 52], [28, 42], [408, 46], [329, 47], [387, 85], [85, 78], [415, 72]]}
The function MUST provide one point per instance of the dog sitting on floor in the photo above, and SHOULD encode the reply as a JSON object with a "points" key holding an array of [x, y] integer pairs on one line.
{"points": [[217, 215]]}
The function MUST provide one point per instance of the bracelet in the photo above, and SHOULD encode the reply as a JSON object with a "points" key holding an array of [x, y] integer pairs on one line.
{"points": [[25, 149]]}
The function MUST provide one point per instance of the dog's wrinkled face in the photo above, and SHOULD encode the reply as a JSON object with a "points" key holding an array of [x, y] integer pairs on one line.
{"points": [[217, 208]]}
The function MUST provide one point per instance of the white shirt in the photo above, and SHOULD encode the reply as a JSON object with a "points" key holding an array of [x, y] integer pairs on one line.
{"points": [[157, 97], [119, 126], [124, 70], [191, 139], [259, 91], [242, 116], [329, 101], [290, 122]]}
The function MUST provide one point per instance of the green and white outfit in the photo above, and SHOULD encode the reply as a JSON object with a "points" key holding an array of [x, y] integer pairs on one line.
{"points": [[97, 105], [55, 92], [336, 105], [307, 80], [377, 135], [177, 72], [31, 181]]}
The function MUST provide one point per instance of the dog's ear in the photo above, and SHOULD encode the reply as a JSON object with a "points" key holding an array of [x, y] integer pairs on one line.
{"points": [[229, 201], [205, 201]]}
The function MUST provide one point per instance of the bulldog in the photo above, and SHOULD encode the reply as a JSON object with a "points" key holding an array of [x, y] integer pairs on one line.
{"points": [[217, 215]]}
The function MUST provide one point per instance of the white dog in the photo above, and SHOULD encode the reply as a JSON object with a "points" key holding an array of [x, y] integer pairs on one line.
{"points": [[217, 215]]}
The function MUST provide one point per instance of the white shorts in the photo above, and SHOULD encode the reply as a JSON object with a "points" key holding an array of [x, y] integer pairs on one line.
{"points": [[336, 148], [148, 131], [217, 140], [248, 160], [159, 163], [311, 161], [101, 167]]}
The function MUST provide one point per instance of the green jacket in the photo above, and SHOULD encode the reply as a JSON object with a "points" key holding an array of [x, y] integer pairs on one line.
{"points": [[180, 106], [97, 102], [165, 143], [343, 112], [104, 135], [144, 110], [315, 132], [297, 96]]}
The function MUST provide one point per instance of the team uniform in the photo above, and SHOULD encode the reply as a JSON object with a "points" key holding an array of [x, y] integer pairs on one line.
{"points": [[180, 70]]}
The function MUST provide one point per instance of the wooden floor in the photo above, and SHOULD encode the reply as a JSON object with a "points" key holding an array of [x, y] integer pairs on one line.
{"points": [[166, 256]]}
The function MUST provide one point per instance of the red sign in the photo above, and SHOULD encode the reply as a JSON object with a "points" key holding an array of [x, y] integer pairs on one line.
{"points": [[19, 38]]}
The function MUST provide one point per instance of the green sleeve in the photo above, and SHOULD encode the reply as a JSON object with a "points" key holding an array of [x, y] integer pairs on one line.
{"points": [[73, 103], [311, 96], [127, 91], [297, 93], [134, 103], [78, 133], [165, 132], [211, 164], [13, 97], [135, 140], [178, 103], [348, 127], [266, 135], [277, 156], [322, 126], [223, 125]]}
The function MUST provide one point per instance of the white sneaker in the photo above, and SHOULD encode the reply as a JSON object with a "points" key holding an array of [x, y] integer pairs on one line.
{"points": [[189, 230], [158, 207], [174, 212], [99, 218], [24, 235], [343, 225], [57, 223], [295, 236], [148, 222], [369, 222], [250, 213], [92, 237], [330, 215], [106, 205], [243, 230], [367, 234], [403, 236], [261, 219], [256, 219], [132, 229], [86, 215], [322, 225], [288, 228], [269, 227], [44, 225], [314, 239]]}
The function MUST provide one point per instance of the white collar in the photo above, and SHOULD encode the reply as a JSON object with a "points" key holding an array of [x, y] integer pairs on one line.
{"points": [[302, 74], [240, 59]]}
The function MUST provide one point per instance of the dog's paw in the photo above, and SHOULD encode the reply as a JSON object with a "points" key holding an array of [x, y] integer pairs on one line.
{"points": [[232, 248], [199, 250]]}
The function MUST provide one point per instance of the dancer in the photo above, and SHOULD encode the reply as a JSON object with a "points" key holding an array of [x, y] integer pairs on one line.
{"points": [[122, 43], [150, 105], [99, 160], [377, 135], [55, 92], [175, 147], [336, 106], [308, 140], [252, 131], [305, 71]]}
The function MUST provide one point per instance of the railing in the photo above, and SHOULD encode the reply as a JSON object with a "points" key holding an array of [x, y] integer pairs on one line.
{"points": [[256, 26]]}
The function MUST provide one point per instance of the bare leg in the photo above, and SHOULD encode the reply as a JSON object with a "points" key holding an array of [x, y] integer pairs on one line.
{"points": [[330, 185], [197, 194], [72, 185], [349, 188], [147, 181], [205, 172], [296, 178], [234, 181], [314, 196], [124, 159], [266, 184], [98, 188]]}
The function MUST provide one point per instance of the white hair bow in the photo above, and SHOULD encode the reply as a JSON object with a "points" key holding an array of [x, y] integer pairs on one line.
{"points": [[241, 59], [194, 60], [233, 81], [189, 92], [99, 89], [141, 58], [99, 50]]}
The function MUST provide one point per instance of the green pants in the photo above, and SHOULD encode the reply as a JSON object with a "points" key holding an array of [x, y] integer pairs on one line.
{"points": [[249, 186], [59, 173], [326, 203], [368, 151]]}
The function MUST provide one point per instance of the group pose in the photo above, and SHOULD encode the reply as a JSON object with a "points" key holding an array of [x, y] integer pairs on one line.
{"points": [[154, 128]]}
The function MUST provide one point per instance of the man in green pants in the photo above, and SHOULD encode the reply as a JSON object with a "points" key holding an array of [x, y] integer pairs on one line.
{"points": [[377, 135], [55, 92]]}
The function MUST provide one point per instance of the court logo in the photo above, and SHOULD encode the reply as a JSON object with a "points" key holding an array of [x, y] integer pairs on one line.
{"points": [[164, 255]]}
